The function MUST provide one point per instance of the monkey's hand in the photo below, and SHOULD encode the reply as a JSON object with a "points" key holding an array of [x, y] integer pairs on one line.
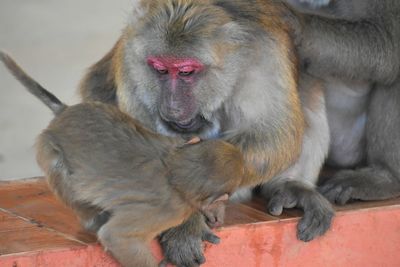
{"points": [[318, 212], [183, 245], [215, 214], [361, 184]]}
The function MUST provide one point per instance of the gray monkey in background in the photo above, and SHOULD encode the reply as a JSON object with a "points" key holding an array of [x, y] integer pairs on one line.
{"points": [[354, 47]]}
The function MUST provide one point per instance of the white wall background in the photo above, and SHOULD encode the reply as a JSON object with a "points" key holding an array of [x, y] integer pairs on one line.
{"points": [[54, 41]]}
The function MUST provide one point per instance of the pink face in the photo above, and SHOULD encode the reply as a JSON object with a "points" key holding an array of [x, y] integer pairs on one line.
{"points": [[177, 77], [176, 68]]}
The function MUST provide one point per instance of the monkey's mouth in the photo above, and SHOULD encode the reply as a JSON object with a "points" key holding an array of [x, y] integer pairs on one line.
{"points": [[189, 126]]}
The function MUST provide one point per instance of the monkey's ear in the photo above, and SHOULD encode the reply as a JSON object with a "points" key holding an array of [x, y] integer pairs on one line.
{"points": [[223, 197], [214, 200]]}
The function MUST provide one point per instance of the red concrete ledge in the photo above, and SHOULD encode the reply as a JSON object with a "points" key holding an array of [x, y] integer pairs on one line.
{"points": [[37, 230]]}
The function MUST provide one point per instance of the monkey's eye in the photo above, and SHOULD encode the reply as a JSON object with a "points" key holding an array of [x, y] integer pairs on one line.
{"points": [[186, 73], [162, 71]]}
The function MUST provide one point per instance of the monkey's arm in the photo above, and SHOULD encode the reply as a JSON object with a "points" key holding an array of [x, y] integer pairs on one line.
{"points": [[366, 50], [268, 150], [294, 186], [286, 191]]}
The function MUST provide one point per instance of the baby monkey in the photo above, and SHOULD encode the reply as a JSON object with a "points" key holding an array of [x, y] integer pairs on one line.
{"points": [[125, 182]]}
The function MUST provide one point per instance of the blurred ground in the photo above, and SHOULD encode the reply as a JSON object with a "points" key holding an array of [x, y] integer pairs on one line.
{"points": [[54, 41]]}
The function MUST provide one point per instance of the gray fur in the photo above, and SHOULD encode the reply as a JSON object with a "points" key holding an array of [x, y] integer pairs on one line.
{"points": [[347, 103], [354, 46], [369, 34], [379, 178], [295, 187]]}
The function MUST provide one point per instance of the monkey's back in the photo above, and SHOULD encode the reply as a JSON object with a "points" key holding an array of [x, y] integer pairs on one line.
{"points": [[93, 152]]}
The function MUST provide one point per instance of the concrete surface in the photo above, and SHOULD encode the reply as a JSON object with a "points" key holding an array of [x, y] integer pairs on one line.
{"points": [[55, 41]]}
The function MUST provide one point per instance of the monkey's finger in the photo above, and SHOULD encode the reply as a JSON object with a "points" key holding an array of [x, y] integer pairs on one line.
{"points": [[275, 207], [335, 182], [333, 193], [211, 238], [280, 201], [199, 259], [194, 260], [308, 228], [344, 196], [325, 188]]}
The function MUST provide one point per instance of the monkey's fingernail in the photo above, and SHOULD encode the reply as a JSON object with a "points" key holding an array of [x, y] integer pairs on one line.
{"points": [[210, 237], [193, 141], [201, 260]]}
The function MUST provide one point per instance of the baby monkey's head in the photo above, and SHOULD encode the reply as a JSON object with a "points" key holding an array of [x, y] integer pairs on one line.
{"points": [[206, 171]]}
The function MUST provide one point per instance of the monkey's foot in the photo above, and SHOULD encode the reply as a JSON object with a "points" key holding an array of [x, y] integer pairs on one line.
{"points": [[363, 184], [183, 245], [318, 212]]}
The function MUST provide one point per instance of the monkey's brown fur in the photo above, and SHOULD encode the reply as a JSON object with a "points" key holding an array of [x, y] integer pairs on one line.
{"points": [[125, 182], [245, 92], [107, 80]]}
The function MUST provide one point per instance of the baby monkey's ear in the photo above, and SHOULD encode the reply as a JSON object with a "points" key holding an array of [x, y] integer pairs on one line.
{"points": [[212, 201], [214, 212]]}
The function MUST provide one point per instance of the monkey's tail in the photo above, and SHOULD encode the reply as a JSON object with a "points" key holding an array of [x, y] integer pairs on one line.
{"points": [[31, 85]]}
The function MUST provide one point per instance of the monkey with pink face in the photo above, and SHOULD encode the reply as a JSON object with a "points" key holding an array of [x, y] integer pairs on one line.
{"points": [[227, 70], [125, 182]]}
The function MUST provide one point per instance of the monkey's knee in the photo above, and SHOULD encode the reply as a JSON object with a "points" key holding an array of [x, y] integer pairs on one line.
{"points": [[128, 249], [91, 218]]}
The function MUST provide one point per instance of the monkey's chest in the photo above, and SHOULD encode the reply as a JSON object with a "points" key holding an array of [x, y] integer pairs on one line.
{"points": [[346, 105]]}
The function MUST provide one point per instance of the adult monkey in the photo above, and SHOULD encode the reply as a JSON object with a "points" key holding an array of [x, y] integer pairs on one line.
{"points": [[218, 69], [354, 46]]}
